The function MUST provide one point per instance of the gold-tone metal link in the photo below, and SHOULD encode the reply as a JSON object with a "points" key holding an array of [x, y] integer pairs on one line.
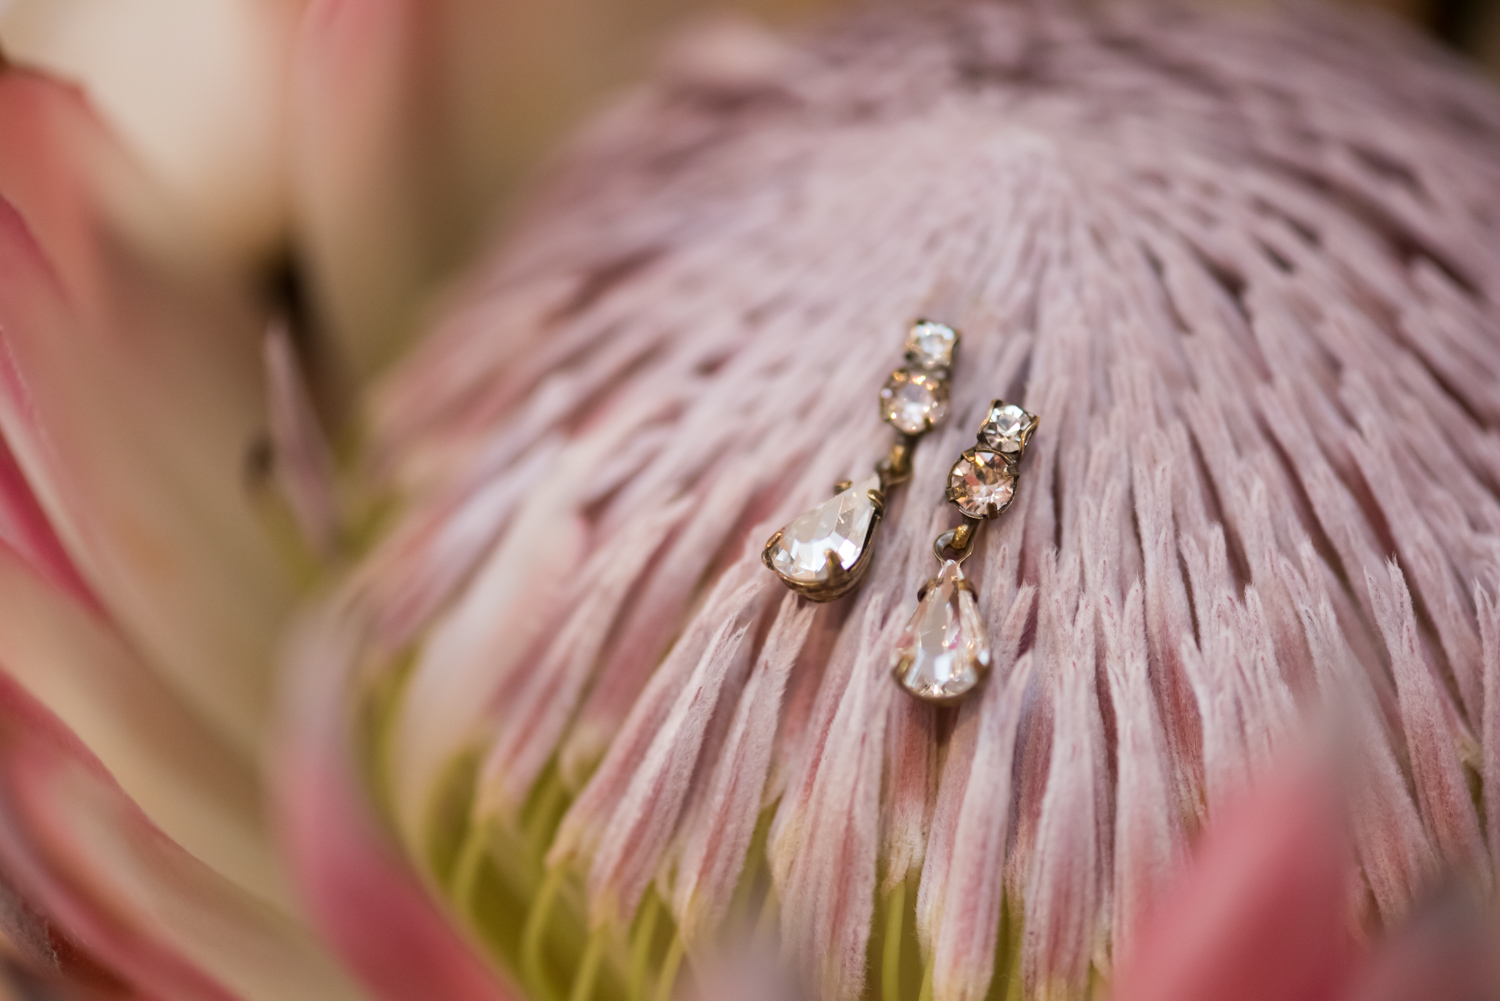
{"points": [[896, 466], [956, 544], [944, 652]]}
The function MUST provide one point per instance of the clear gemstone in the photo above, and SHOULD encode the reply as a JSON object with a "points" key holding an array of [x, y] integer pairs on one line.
{"points": [[981, 483], [1006, 428], [930, 345], [914, 402], [942, 653], [840, 524]]}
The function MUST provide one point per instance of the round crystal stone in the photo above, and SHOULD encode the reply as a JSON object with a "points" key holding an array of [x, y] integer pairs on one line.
{"points": [[1006, 428], [981, 484], [914, 402], [930, 345]]}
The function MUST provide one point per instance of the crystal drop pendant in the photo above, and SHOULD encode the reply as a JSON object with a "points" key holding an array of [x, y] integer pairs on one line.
{"points": [[824, 552], [943, 652]]}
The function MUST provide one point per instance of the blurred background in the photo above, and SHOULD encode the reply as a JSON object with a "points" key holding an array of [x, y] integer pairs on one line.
{"points": [[204, 94]]}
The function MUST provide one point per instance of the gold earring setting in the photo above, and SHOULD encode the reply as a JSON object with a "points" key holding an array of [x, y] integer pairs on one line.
{"points": [[824, 553], [943, 653]]}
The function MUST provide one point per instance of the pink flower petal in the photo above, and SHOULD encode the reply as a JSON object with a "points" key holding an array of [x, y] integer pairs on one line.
{"points": [[183, 776], [129, 398], [1260, 912], [80, 853], [216, 145], [25, 529], [376, 912], [427, 109], [304, 463], [368, 129]]}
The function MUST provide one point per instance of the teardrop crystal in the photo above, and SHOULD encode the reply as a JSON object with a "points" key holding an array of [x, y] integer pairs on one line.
{"points": [[943, 652], [799, 553]]}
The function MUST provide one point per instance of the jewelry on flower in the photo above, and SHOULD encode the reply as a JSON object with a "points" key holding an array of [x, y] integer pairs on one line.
{"points": [[825, 552], [943, 651]]}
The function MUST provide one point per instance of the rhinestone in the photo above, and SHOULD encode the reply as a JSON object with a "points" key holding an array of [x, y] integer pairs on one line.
{"points": [[1006, 428], [930, 345], [840, 525], [942, 653], [981, 483], [914, 402]]}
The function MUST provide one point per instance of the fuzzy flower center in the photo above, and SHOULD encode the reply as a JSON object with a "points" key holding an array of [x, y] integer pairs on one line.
{"points": [[1247, 271]]}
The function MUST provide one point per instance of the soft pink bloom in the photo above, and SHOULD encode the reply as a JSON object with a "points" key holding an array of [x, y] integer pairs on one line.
{"points": [[544, 726], [1244, 271]]}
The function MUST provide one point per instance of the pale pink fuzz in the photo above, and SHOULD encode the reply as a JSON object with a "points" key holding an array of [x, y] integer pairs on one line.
{"points": [[1489, 629], [1245, 270], [910, 767], [739, 597], [716, 842], [637, 834], [828, 892], [1148, 824], [967, 923], [1063, 891], [1431, 746]]}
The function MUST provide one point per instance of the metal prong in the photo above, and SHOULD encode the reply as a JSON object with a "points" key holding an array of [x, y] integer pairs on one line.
{"points": [[765, 553], [837, 575], [949, 541]]}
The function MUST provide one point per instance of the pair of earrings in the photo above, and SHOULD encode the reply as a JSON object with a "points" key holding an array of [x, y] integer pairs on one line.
{"points": [[943, 653]]}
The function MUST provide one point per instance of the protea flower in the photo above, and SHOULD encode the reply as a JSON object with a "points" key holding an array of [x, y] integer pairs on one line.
{"points": [[547, 728]]}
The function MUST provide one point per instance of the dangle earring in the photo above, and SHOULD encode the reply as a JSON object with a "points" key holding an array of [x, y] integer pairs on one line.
{"points": [[943, 652], [824, 553]]}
